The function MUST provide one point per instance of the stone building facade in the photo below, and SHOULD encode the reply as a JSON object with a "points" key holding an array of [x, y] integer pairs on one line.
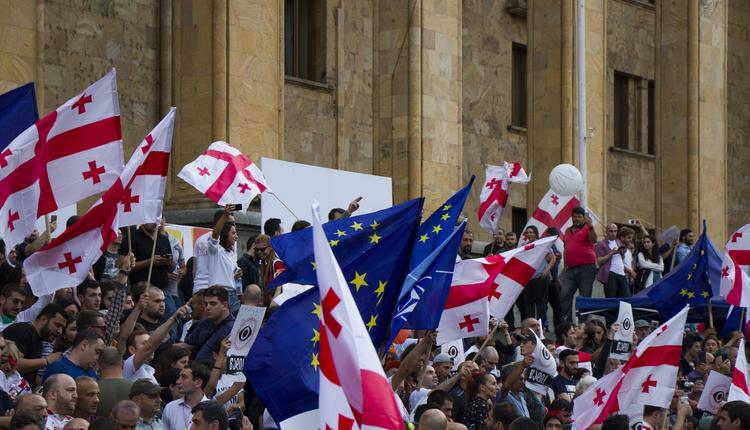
{"points": [[424, 91]]}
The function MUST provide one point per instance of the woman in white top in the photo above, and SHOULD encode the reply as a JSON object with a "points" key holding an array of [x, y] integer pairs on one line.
{"points": [[222, 256], [649, 263]]}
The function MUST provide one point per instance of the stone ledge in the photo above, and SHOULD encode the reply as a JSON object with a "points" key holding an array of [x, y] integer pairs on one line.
{"points": [[633, 153], [640, 3], [308, 84], [517, 129]]}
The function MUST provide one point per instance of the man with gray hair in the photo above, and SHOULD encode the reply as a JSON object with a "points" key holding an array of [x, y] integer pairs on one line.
{"points": [[253, 296], [59, 390], [487, 360], [33, 403], [433, 419]]}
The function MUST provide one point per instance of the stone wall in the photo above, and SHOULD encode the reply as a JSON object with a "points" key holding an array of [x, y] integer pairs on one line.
{"points": [[738, 113], [309, 125], [19, 50]]}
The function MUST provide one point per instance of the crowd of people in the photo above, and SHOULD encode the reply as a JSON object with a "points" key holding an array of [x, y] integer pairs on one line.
{"points": [[142, 343]]}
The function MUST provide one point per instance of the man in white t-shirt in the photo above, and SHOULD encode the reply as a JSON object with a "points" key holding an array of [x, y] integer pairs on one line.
{"points": [[610, 256], [141, 347], [201, 258]]}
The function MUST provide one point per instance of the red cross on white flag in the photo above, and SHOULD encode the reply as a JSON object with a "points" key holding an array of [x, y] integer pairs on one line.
{"points": [[735, 266], [740, 378], [354, 392], [553, 211], [494, 195], [72, 153], [225, 175], [648, 378]]}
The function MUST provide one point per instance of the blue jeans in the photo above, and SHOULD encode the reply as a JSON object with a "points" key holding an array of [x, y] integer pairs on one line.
{"points": [[234, 300], [579, 278]]}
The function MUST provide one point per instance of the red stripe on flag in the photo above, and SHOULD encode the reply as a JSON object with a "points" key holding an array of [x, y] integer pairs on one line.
{"points": [[156, 163], [517, 270], [460, 295], [740, 257], [325, 357], [560, 219], [655, 356], [379, 405], [740, 380]]}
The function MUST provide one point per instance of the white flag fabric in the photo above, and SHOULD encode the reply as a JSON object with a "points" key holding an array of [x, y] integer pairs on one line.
{"points": [[740, 377], [714, 392], [553, 210], [455, 351], [494, 195], [225, 175], [540, 373], [70, 154], [648, 378], [354, 392], [735, 264], [623, 341]]}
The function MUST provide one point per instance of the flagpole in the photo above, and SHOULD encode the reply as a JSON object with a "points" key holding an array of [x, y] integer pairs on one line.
{"points": [[283, 204], [130, 242], [151, 262], [486, 341], [711, 314], [742, 320]]}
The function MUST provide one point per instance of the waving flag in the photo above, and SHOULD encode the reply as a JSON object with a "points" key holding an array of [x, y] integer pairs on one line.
{"points": [[353, 387], [494, 196], [438, 226], [17, 113], [70, 154], [553, 210], [648, 378], [372, 251], [693, 282], [425, 290], [740, 378], [225, 175], [735, 281]]}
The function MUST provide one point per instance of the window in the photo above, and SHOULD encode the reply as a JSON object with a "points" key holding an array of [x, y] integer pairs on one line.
{"points": [[519, 218], [633, 120], [305, 39], [519, 86]]}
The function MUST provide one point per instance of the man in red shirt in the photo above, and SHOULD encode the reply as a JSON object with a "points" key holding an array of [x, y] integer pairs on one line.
{"points": [[580, 260]]}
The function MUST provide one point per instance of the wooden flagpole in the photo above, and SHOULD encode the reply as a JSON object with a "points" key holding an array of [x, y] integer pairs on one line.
{"points": [[151, 262], [130, 242]]}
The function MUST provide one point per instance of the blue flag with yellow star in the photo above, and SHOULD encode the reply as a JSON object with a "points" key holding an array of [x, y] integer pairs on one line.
{"points": [[693, 282], [435, 229], [373, 253]]}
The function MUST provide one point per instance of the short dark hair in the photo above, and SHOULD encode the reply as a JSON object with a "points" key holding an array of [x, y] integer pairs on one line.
{"points": [[421, 409], [625, 232], [250, 241], [200, 371], [89, 335], [131, 338], [616, 422], [738, 409], [689, 340], [271, 226], [72, 220], [300, 224], [212, 411], [579, 210], [9, 289], [51, 310], [335, 211], [22, 419], [217, 291], [87, 284], [534, 229], [438, 396], [87, 319], [684, 232], [561, 330], [505, 413], [110, 358], [649, 410], [565, 353], [523, 423], [561, 405], [108, 286]]}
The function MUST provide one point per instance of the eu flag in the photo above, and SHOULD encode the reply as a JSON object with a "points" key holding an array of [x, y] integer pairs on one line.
{"points": [[426, 287], [435, 229], [17, 112], [283, 363], [372, 251], [692, 282]]}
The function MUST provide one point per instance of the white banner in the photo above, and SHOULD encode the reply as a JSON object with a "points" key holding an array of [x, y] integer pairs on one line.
{"points": [[455, 350], [243, 334], [622, 346], [715, 392], [540, 374]]}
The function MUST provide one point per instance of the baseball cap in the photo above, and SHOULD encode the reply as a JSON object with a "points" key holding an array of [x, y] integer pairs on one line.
{"points": [[642, 323], [144, 386], [442, 358]]}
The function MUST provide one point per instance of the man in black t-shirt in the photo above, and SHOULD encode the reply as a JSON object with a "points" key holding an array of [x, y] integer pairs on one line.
{"points": [[29, 336], [564, 384], [142, 242]]}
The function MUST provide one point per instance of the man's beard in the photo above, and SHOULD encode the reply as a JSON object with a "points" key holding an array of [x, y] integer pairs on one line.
{"points": [[155, 315]]}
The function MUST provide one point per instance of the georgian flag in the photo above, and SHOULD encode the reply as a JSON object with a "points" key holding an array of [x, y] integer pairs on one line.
{"points": [[740, 378], [494, 196], [225, 175], [70, 154], [488, 286], [354, 392], [735, 282], [648, 378], [553, 210]]}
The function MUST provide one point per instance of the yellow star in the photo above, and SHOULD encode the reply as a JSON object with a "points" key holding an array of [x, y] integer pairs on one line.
{"points": [[691, 295], [702, 252], [436, 229], [333, 242], [704, 294], [316, 336], [357, 226], [446, 207], [445, 217], [380, 290], [375, 225], [340, 233], [317, 311], [314, 363], [359, 280], [690, 275], [315, 266], [423, 238], [372, 323], [683, 292], [374, 238]]}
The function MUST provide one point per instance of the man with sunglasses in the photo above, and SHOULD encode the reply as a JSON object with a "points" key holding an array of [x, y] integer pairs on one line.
{"points": [[203, 340]]}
